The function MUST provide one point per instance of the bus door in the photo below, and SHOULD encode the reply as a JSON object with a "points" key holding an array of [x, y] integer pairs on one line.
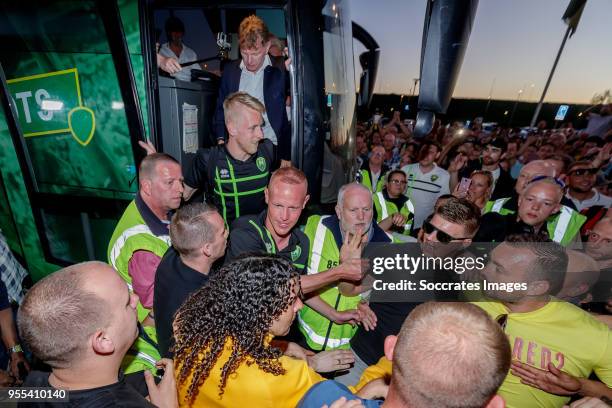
{"points": [[70, 126]]}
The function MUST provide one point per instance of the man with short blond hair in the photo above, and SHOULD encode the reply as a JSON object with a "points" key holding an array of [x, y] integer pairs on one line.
{"points": [[446, 355], [235, 174], [274, 231], [262, 77], [539, 212], [81, 321]]}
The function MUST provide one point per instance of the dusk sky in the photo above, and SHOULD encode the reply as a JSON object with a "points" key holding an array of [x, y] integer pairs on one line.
{"points": [[512, 46]]}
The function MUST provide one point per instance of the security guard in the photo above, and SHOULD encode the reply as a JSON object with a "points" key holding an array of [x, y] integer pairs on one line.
{"points": [[235, 175], [394, 211], [273, 231], [139, 242], [558, 221], [352, 222], [372, 173], [539, 211]]}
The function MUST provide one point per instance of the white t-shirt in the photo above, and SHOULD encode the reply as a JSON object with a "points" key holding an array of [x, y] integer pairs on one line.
{"points": [[187, 55], [423, 189], [597, 199], [252, 83]]}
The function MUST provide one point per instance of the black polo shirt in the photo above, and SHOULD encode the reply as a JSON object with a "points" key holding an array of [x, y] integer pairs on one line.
{"points": [[494, 227], [174, 282], [235, 187], [249, 234]]}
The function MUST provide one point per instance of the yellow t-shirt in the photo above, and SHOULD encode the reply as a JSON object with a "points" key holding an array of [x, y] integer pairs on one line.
{"points": [[382, 369], [250, 386], [561, 333]]}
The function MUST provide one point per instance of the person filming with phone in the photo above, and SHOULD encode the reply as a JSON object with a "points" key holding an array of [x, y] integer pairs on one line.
{"points": [[477, 188]]}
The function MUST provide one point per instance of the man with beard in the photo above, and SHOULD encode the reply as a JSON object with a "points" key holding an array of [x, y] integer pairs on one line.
{"points": [[539, 200], [334, 240], [582, 177], [550, 338], [274, 231], [446, 234], [491, 157]]}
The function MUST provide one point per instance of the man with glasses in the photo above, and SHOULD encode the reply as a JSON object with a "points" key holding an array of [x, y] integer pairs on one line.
{"points": [[393, 211], [262, 77], [582, 177], [540, 199], [372, 173], [551, 339]]}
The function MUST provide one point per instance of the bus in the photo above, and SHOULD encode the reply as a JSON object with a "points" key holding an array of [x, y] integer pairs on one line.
{"points": [[80, 86]]}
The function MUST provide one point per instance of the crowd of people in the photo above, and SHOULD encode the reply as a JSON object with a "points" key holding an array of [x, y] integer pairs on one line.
{"points": [[251, 298]]}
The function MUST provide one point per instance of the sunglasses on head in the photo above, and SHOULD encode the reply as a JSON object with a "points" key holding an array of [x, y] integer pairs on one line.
{"points": [[442, 236], [560, 183], [582, 172]]}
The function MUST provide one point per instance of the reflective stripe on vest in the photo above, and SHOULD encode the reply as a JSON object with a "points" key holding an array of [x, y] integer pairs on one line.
{"points": [[320, 340], [383, 205], [317, 247], [128, 233], [499, 204], [564, 218]]}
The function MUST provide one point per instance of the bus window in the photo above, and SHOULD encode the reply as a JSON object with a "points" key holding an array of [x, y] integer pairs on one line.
{"points": [[339, 73], [62, 80]]}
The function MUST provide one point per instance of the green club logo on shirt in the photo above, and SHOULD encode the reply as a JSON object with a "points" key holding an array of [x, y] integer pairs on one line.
{"points": [[434, 177], [261, 163], [295, 254]]}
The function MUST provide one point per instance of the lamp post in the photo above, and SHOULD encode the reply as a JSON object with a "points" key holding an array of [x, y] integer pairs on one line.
{"points": [[518, 97]]}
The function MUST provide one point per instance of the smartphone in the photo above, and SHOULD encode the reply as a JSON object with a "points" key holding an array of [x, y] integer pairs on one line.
{"points": [[464, 186]]}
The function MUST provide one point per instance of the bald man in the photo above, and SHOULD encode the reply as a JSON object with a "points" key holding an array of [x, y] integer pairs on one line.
{"points": [[539, 212]]}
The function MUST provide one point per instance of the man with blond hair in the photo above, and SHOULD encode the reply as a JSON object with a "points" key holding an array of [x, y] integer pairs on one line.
{"points": [[81, 321], [235, 174], [446, 355], [262, 77], [539, 200], [274, 231]]}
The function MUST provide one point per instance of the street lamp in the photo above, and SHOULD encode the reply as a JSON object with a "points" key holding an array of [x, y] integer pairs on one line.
{"points": [[518, 97]]}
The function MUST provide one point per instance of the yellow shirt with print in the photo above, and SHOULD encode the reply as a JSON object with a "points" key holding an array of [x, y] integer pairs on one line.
{"points": [[560, 333], [250, 386]]}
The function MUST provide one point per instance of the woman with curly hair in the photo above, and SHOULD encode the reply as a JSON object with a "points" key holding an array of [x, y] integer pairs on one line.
{"points": [[223, 356]]}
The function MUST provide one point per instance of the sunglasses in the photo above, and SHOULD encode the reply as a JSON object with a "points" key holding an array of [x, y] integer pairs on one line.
{"points": [[397, 181], [442, 236], [560, 183], [583, 172]]}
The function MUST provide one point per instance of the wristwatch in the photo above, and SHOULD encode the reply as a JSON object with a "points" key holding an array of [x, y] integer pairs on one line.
{"points": [[16, 348]]}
